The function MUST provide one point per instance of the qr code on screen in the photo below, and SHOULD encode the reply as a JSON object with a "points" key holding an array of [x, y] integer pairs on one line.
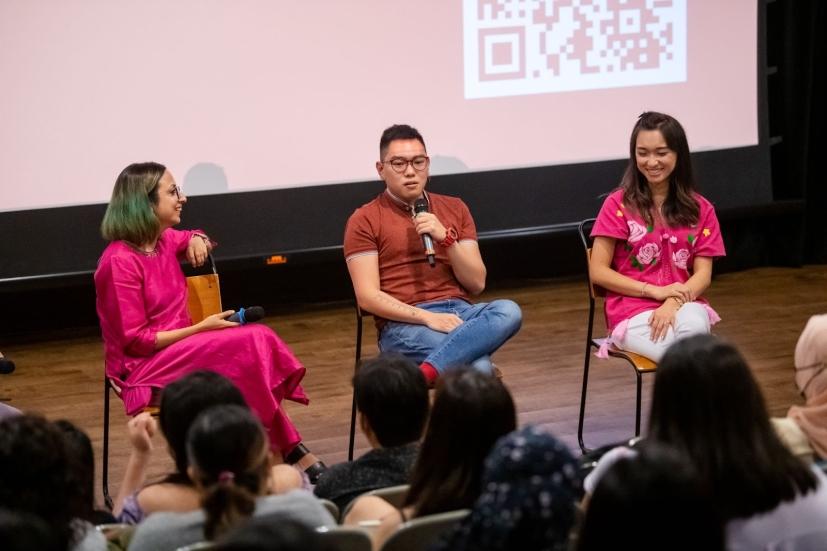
{"points": [[516, 47]]}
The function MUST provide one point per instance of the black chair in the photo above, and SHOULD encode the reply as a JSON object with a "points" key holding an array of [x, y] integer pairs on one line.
{"points": [[153, 408], [360, 315], [640, 364]]}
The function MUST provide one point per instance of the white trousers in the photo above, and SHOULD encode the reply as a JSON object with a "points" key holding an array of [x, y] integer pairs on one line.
{"points": [[690, 319]]}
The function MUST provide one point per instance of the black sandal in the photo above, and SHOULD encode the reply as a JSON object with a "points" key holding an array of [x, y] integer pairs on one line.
{"points": [[314, 471]]}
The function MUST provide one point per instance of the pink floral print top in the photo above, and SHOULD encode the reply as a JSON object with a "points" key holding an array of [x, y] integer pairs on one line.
{"points": [[655, 254]]}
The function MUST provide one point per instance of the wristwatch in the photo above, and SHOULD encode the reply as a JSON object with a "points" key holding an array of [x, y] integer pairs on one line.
{"points": [[450, 238]]}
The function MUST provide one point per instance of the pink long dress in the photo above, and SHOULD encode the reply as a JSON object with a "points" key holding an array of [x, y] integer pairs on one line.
{"points": [[140, 294]]}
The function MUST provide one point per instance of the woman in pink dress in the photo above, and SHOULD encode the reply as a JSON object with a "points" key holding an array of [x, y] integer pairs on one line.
{"points": [[654, 242], [149, 339]]}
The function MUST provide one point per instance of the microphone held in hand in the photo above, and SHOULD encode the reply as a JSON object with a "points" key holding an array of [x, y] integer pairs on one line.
{"points": [[421, 205], [247, 315]]}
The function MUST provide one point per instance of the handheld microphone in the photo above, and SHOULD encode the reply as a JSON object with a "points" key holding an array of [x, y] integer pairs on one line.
{"points": [[421, 205], [247, 315]]}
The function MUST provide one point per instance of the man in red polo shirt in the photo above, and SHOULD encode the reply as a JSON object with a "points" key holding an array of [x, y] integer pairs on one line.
{"points": [[422, 311]]}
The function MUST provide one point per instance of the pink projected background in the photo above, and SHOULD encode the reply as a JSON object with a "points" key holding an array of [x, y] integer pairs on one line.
{"points": [[261, 94]]}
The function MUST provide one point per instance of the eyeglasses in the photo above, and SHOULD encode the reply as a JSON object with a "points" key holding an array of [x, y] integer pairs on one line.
{"points": [[400, 165]]}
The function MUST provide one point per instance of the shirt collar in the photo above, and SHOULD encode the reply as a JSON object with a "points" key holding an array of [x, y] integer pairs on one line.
{"points": [[403, 205]]}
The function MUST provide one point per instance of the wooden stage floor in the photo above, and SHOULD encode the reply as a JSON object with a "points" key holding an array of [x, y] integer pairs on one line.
{"points": [[763, 312]]}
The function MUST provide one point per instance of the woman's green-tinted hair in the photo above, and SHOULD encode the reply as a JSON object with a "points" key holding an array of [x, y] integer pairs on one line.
{"points": [[129, 216]]}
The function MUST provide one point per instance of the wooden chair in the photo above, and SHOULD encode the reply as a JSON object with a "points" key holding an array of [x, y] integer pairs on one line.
{"points": [[640, 364], [419, 533], [345, 538], [203, 299]]}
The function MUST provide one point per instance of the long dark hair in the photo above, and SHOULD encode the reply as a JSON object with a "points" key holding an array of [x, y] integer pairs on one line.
{"points": [[707, 405], [229, 455], [471, 411], [679, 507], [181, 403], [680, 208]]}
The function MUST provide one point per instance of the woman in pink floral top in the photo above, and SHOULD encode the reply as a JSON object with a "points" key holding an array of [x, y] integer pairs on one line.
{"points": [[654, 242]]}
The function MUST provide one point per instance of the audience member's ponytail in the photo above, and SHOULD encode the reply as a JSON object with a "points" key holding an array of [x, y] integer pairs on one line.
{"points": [[228, 455]]}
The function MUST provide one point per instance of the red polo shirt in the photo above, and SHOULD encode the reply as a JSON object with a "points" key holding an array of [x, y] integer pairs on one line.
{"points": [[384, 227]]}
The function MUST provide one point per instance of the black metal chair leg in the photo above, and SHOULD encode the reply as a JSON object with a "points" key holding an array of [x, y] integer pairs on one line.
{"points": [[581, 421], [637, 409], [352, 442], [105, 468]]}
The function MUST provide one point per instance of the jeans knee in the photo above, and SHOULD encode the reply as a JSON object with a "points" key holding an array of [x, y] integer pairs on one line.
{"points": [[510, 311]]}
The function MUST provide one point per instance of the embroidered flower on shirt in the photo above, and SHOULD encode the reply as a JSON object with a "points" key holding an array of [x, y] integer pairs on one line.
{"points": [[680, 258], [636, 231], [647, 255], [619, 212], [706, 232], [690, 238]]}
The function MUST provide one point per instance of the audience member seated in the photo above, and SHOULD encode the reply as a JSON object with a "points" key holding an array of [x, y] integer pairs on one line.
{"points": [[82, 474], [36, 479], [229, 464], [530, 488], [24, 532], [392, 399], [804, 430], [471, 411], [653, 500], [707, 406], [269, 532], [181, 402]]}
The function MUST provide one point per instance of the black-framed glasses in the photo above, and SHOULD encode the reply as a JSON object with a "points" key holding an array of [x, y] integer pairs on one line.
{"points": [[400, 165]]}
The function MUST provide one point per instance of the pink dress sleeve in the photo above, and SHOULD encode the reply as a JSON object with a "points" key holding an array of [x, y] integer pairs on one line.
{"points": [[126, 307], [178, 240]]}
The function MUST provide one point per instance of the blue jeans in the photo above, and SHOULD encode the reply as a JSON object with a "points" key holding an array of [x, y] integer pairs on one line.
{"points": [[486, 326]]}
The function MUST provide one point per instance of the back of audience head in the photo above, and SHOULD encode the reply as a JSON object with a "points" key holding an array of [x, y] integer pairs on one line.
{"points": [[81, 459], [392, 397], [707, 405], [229, 463], [471, 411], [658, 491], [274, 532], [34, 474], [182, 401], [530, 489], [24, 532]]}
